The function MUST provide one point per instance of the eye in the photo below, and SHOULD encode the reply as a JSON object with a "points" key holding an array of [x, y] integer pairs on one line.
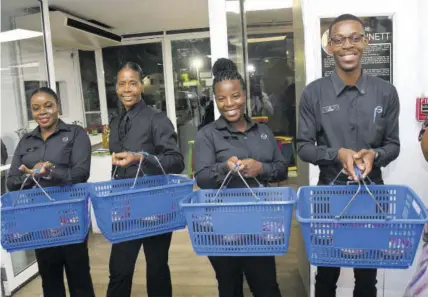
{"points": [[356, 38], [337, 39], [35, 108], [236, 96], [133, 84]]}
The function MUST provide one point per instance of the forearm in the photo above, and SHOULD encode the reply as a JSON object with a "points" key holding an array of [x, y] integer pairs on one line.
{"points": [[387, 154], [172, 163], [317, 155], [211, 177]]}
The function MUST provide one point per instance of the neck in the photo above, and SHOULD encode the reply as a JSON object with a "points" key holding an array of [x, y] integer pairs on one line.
{"points": [[47, 131], [241, 125], [350, 78]]}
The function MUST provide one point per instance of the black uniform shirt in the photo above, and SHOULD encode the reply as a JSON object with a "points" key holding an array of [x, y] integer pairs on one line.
{"points": [[68, 149], [216, 142], [334, 116], [145, 129]]}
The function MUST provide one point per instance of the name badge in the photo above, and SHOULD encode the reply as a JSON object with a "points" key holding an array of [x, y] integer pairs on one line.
{"points": [[328, 109], [230, 137]]}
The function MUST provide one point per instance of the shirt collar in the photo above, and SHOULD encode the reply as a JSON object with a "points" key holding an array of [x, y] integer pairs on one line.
{"points": [[136, 109], [222, 123], [339, 84], [60, 126]]}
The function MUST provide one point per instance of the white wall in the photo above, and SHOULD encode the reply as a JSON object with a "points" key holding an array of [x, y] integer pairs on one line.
{"points": [[410, 45]]}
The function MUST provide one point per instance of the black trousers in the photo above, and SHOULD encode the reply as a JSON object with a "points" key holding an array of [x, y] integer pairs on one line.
{"points": [[122, 263], [327, 277], [260, 273], [75, 259]]}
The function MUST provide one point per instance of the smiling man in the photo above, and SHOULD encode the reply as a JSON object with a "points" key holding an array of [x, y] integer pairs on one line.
{"points": [[345, 119]]}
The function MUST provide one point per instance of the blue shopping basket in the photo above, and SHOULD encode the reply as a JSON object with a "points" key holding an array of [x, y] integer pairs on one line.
{"points": [[240, 221], [361, 226], [131, 209], [40, 218]]}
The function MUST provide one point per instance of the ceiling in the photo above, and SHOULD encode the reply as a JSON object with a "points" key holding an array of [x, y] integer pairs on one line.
{"points": [[131, 16], [142, 16]]}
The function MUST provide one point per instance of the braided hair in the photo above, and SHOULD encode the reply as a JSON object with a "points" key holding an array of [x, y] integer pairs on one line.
{"points": [[225, 69]]}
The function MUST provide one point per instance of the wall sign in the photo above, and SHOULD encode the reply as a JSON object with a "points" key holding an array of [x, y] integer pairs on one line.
{"points": [[377, 58]]}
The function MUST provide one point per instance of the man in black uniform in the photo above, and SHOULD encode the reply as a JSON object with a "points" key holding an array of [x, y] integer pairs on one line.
{"points": [[345, 119], [141, 129]]}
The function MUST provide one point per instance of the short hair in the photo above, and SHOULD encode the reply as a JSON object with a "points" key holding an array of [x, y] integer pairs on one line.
{"points": [[344, 17], [135, 67], [225, 69], [47, 91]]}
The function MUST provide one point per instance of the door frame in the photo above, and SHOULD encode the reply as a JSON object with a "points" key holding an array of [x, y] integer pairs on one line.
{"points": [[168, 69], [13, 282]]}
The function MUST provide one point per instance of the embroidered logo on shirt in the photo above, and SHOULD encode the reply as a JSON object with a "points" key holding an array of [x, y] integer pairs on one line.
{"points": [[377, 110], [65, 139], [328, 109], [264, 136]]}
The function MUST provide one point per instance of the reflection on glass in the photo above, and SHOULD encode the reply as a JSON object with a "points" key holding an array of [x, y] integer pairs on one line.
{"points": [[192, 88], [149, 57], [88, 72], [23, 66], [93, 119], [22, 260], [268, 49]]}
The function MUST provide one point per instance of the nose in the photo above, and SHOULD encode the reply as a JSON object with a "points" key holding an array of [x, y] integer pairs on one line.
{"points": [[228, 102], [126, 88], [347, 44]]}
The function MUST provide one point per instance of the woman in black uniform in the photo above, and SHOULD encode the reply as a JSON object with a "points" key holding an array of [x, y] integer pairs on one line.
{"points": [[141, 129], [61, 154], [235, 139]]}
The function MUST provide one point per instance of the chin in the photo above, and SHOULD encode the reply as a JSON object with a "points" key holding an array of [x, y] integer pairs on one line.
{"points": [[47, 125], [233, 119], [348, 68]]}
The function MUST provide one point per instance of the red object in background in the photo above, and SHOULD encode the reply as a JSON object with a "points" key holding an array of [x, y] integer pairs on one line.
{"points": [[421, 108]]}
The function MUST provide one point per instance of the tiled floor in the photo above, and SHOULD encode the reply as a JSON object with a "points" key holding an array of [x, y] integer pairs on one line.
{"points": [[191, 275]]}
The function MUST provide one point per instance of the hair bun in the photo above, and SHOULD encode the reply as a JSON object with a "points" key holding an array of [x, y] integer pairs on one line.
{"points": [[222, 65]]}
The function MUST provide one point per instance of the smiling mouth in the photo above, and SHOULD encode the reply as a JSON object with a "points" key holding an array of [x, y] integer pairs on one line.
{"points": [[232, 113], [44, 120]]}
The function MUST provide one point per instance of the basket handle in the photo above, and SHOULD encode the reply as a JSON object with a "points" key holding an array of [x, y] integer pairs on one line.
{"points": [[357, 172], [145, 154], [359, 175], [37, 183], [226, 182]]}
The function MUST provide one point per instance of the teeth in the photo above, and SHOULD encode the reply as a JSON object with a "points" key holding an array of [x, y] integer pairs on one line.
{"points": [[231, 113]]}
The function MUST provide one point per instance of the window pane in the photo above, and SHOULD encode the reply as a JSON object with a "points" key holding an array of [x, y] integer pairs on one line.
{"points": [[93, 119], [88, 72], [22, 64], [192, 88]]}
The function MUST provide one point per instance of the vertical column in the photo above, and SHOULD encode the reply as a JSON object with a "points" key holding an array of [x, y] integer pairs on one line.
{"points": [[168, 71], [47, 37], [218, 33], [101, 85]]}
